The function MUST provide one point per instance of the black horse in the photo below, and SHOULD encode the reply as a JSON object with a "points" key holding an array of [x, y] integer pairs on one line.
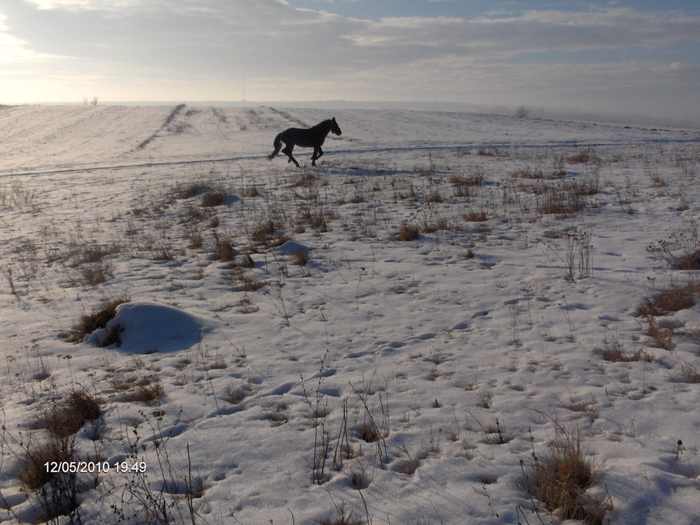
{"points": [[305, 138]]}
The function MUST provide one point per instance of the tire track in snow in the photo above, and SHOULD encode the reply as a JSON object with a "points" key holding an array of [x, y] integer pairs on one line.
{"points": [[168, 120], [348, 151]]}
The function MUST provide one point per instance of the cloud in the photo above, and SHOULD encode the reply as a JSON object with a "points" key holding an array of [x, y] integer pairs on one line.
{"points": [[207, 49], [533, 31], [14, 51], [84, 4]]}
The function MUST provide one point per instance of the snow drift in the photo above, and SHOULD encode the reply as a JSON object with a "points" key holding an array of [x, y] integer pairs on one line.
{"points": [[147, 328]]}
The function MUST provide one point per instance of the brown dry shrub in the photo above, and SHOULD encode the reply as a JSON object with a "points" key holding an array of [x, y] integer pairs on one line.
{"points": [[189, 190], [688, 261], [95, 274], [263, 231], [213, 198], [617, 355], [299, 258], [441, 224], [250, 191], [582, 157], [223, 249], [305, 180], [528, 173], [406, 466], [368, 432], [561, 199], [248, 282], [672, 300], [235, 394], [408, 232], [466, 180], [663, 337], [144, 394], [315, 216], [476, 216], [33, 473], [434, 196], [560, 479], [195, 238], [66, 418], [90, 322]]}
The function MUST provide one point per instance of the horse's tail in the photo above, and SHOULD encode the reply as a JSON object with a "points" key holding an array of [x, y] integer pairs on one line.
{"points": [[278, 146]]}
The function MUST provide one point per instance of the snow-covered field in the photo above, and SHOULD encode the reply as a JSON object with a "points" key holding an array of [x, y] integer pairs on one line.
{"points": [[430, 368]]}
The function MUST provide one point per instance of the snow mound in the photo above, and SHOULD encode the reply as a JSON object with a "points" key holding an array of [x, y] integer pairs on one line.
{"points": [[146, 328], [291, 247]]}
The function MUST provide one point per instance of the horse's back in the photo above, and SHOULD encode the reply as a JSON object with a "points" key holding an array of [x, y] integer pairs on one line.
{"points": [[300, 137]]}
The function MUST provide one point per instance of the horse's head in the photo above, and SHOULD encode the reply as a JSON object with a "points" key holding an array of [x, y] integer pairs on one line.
{"points": [[335, 128]]}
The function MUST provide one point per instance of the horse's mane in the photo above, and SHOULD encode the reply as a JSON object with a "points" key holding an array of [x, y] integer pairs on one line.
{"points": [[321, 124]]}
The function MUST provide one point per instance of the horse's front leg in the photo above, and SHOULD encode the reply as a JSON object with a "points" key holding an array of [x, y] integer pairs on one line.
{"points": [[316, 155]]}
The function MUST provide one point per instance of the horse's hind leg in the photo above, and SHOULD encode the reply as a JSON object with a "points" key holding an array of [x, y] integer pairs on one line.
{"points": [[288, 151]]}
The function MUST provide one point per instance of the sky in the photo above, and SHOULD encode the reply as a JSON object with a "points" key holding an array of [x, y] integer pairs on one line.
{"points": [[637, 57]]}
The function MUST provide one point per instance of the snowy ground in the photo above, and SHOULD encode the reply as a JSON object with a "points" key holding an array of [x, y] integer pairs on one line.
{"points": [[439, 340]]}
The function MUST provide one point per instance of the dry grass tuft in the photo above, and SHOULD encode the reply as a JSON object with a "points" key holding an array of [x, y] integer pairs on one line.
{"points": [[560, 199], [671, 300], [408, 232], [95, 274], [316, 216], [251, 192], [475, 179], [434, 196], [187, 191], [144, 394], [663, 337], [263, 231], [582, 157], [247, 282], [476, 216], [688, 261], [305, 180], [368, 432], [528, 173], [33, 473], [66, 418], [441, 224], [213, 198], [91, 253], [466, 185], [681, 248], [299, 258], [90, 322], [235, 394], [194, 235], [560, 479], [360, 479], [406, 466], [223, 249], [687, 374], [618, 355]]}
